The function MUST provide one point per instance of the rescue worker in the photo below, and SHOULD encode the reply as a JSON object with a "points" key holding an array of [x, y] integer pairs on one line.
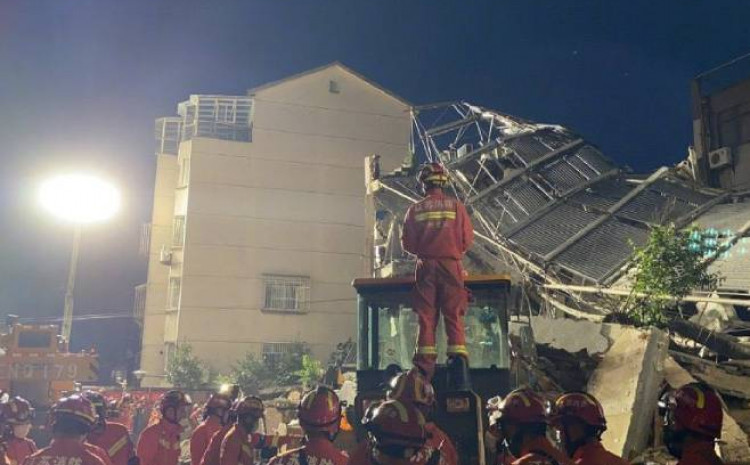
{"points": [[413, 388], [72, 418], [159, 443], [18, 416], [396, 436], [113, 438], [319, 414], [236, 447], [579, 419], [438, 231], [522, 424], [215, 414], [213, 451], [692, 419]]}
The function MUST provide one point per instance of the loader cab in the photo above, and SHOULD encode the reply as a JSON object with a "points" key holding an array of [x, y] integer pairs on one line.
{"points": [[387, 335]]}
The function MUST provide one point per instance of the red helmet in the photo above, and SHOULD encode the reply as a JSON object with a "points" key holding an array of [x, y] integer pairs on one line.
{"points": [[18, 411], [249, 405], [320, 410], [523, 406], [694, 407], [97, 400], [433, 173], [582, 406], [218, 401], [174, 399], [412, 387], [75, 406], [397, 424]]}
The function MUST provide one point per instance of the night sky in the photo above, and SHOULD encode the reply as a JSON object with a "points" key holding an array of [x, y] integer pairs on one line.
{"points": [[83, 80]]}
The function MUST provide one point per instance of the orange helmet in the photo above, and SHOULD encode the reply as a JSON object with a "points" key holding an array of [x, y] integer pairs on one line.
{"points": [[18, 411], [434, 174], [397, 424], [320, 410], [174, 399], [693, 407], [249, 405], [74, 406], [582, 406], [412, 387], [523, 406]]}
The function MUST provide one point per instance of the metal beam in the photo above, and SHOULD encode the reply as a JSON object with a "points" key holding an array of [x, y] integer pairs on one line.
{"points": [[610, 212], [545, 158], [448, 127]]}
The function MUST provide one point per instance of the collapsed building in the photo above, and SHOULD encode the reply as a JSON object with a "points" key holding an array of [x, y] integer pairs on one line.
{"points": [[565, 220]]}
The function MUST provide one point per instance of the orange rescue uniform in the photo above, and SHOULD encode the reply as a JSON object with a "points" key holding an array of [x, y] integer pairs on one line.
{"points": [[202, 437], [17, 449], [317, 451], [699, 453], [159, 444], [64, 451], [236, 448], [593, 453], [540, 451], [115, 440], [438, 231], [213, 451], [438, 440]]}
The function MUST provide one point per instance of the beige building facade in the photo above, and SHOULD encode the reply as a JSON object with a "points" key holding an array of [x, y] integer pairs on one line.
{"points": [[258, 223]]}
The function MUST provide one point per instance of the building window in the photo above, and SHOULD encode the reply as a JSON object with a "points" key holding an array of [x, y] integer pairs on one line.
{"points": [[286, 293], [178, 231], [274, 352], [184, 175], [333, 87], [175, 287]]}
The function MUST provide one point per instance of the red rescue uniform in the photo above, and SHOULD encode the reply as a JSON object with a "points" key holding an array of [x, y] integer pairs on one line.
{"points": [[213, 451], [236, 448], [64, 451], [438, 440], [319, 451], [99, 452], [17, 449], [438, 231], [202, 437], [593, 453], [540, 451], [365, 454], [699, 453], [116, 442], [159, 444]]}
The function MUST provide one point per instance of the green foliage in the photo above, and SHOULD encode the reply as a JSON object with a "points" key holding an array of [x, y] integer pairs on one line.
{"points": [[667, 269], [251, 374], [184, 369], [310, 373], [295, 367]]}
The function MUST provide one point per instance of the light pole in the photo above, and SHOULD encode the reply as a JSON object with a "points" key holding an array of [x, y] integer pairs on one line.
{"points": [[80, 199]]}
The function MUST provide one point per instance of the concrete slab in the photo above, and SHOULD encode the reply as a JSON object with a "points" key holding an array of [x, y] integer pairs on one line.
{"points": [[571, 335]]}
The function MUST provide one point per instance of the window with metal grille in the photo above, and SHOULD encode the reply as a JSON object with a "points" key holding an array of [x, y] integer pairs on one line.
{"points": [[274, 352], [175, 287], [286, 293], [178, 231]]}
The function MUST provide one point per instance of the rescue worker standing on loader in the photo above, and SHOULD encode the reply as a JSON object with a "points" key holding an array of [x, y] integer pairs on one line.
{"points": [[215, 414], [159, 444], [113, 438], [692, 418], [236, 448], [523, 423], [438, 231], [397, 436], [18, 415], [319, 414], [413, 388], [579, 418], [72, 418]]}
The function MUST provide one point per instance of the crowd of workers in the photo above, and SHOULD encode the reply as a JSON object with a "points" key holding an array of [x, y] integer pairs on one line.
{"points": [[400, 430]]}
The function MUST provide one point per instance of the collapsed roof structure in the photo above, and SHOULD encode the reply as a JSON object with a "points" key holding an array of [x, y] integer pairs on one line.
{"points": [[552, 208]]}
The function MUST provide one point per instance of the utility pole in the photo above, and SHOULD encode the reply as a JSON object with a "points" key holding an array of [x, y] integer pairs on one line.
{"points": [[67, 323]]}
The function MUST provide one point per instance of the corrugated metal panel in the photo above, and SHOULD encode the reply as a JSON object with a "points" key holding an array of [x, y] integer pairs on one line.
{"points": [[734, 267], [549, 231], [528, 148], [594, 159], [527, 195], [681, 191], [562, 176], [604, 249], [726, 216]]}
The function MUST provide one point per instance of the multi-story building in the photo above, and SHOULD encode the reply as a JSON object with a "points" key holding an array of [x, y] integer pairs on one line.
{"points": [[258, 223]]}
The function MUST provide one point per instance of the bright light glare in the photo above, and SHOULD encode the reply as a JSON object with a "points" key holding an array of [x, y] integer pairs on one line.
{"points": [[80, 198]]}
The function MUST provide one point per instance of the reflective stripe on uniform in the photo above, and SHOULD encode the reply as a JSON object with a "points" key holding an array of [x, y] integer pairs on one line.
{"points": [[116, 447], [427, 350], [432, 216], [457, 349]]}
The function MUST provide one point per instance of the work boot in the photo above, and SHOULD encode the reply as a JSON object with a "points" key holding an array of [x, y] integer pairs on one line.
{"points": [[458, 373]]}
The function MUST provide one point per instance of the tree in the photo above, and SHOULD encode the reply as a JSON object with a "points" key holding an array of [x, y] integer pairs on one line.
{"points": [[310, 373], [184, 369], [251, 374], [295, 366], [669, 267]]}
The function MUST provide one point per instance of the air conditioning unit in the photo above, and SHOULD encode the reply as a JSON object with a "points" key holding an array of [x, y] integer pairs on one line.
{"points": [[165, 256], [719, 158]]}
